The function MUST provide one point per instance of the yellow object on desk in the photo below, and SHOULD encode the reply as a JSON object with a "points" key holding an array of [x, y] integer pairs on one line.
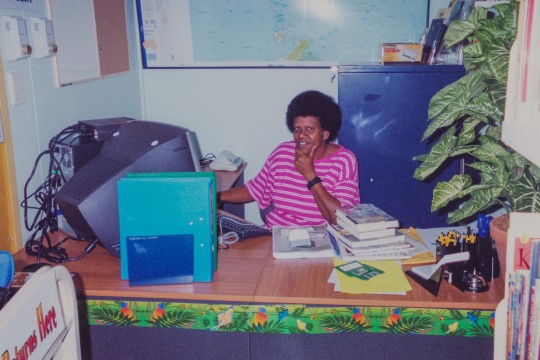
{"points": [[422, 254], [392, 280]]}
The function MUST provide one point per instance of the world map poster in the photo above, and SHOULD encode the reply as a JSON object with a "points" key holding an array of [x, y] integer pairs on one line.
{"points": [[261, 33]]}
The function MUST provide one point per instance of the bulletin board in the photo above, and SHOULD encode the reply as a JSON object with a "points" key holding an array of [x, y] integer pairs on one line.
{"points": [[75, 34], [268, 33]]}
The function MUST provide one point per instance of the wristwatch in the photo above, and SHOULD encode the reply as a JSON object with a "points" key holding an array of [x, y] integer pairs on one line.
{"points": [[311, 183]]}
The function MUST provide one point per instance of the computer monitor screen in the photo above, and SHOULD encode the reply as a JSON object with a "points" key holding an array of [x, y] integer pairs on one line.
{"points": [[89, 200], [195, 149]]}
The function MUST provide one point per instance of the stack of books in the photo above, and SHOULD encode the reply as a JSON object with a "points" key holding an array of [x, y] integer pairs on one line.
{"points": [[365, 232], [522, 295]]}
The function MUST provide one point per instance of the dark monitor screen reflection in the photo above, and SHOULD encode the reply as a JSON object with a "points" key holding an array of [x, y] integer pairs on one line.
{"points": [[89, 200]]}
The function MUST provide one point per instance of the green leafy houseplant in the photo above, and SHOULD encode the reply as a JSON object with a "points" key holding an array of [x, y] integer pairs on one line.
{"points": [[465, 121]]}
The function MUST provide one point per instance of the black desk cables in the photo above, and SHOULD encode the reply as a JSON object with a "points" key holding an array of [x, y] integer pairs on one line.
{"points": [[45, 219]]}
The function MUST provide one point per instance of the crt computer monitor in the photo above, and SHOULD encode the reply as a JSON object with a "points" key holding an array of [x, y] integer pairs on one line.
{"points": [[89, 200]]}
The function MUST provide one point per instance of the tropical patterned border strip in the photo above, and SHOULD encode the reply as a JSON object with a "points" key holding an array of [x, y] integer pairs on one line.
{"points": [[290, 319]]}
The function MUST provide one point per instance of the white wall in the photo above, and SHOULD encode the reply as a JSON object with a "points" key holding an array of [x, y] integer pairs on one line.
{"points": [[47, 109], [435, 5], [242, 110], [238, 109]]}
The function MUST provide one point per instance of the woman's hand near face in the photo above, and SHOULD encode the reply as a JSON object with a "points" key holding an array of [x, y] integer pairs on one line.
{"points": [[327, 203], [303, 162]]}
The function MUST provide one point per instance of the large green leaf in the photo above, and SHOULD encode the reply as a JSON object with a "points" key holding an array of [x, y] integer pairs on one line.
{"points": [[472, 111], [437, 156], [497, 59], [461, 150], [474, 56], [467, 135], [508, 13], [490, 153], [459, 30], [497, 93], [446, 191], [466, 87], [482, 167], [482, 105], [480, 200], [521, 162], [525, 194], [444, 98], [448, 104]]}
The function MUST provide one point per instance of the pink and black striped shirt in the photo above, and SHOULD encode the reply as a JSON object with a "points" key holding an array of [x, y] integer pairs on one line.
{"points": [[279, 184]]}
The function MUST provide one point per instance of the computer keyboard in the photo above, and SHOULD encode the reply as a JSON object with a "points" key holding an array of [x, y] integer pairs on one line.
{"points": [[242, 228]]}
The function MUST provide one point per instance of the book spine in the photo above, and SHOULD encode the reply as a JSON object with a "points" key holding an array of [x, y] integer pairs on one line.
{"points": [[350, 229], [366, 217], [531, 326], [399, 255], [510, 313], [343, 218], [534, 347], [333, 241], [533, 276], [533, 293], [372, 241], [523, 316], [367, 235]]}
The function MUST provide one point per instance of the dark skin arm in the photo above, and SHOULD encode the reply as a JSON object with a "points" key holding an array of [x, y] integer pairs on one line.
{"points": [[325, 201], [304, 164], [237, 195]]}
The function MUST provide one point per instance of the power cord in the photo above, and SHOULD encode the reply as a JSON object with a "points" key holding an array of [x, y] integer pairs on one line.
{"points": [[207, 159], [45, 220], [228, 238]]}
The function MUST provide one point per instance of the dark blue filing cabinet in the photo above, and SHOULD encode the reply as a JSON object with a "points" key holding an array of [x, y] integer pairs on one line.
{"points": [[385, 113]]}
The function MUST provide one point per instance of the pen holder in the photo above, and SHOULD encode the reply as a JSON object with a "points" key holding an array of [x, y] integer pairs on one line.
{"points": [[483, 265]]}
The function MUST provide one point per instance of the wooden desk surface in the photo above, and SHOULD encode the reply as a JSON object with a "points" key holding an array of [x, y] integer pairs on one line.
{"points": [[98, 275], [247, 272], [305, 281]]}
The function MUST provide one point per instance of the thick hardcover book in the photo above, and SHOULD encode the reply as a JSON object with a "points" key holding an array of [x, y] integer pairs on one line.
{"points": [[355, 239], [366, 217], [367, 235], [352, 238], [349, 238], [163, 204], [287, 245], [434, 39], [390, 254]]}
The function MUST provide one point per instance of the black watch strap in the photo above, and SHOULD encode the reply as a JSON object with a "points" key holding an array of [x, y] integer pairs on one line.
{"points": [[313, 182]]}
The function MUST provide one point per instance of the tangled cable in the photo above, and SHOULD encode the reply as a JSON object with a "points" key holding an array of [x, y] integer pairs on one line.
{"points": [[45, 220]]}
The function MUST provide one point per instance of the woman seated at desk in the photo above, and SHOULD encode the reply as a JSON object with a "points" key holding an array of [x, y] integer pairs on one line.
{"points": [[303, 181]]}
